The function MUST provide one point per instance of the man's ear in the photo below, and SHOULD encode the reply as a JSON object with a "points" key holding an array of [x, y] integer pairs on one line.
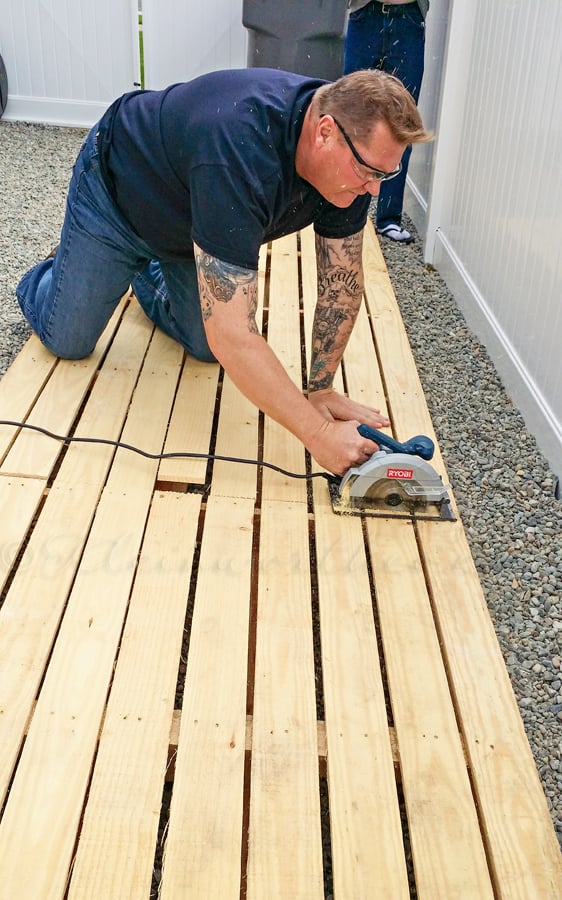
{"points": [[325, 130]]}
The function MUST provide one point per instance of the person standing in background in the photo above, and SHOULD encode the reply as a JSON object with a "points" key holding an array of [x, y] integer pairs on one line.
{"points": [[391, 37]]}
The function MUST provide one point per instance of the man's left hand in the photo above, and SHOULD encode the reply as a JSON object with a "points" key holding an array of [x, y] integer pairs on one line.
{"points": [[337, 407]]}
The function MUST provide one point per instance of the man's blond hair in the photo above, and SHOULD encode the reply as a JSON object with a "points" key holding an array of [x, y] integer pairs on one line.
{"points": [[362, 99]]}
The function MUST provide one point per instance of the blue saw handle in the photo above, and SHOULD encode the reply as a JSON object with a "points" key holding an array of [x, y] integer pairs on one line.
{"points": [[416, 446]]}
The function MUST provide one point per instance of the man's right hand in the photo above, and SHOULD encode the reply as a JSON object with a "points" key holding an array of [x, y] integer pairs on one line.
{"points": [[337, 446]]}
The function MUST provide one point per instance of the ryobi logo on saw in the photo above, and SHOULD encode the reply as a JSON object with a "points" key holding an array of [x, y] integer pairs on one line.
{"points": [[399, 473]]}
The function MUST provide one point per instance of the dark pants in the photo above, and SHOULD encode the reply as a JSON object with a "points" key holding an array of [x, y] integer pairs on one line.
{"points": [[390, 38]]}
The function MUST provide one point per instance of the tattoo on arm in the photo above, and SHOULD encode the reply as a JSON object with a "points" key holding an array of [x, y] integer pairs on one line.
{"points": [[219, 281], [340, 289]]}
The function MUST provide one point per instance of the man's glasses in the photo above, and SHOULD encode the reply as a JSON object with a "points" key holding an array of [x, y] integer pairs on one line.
{"points": [[374, 173]]}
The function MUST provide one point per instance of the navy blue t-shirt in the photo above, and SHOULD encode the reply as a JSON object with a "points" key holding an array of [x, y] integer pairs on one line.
{"points": [[213, 161]]}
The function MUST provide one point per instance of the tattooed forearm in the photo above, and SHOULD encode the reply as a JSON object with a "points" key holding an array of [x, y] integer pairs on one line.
{"points": [[340, 288], [336, 281], [327, 325], [218, 282], [340, 271]]}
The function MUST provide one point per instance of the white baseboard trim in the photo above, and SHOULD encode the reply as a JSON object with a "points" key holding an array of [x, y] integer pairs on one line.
{"points": [[525, 393], [48, 111]]}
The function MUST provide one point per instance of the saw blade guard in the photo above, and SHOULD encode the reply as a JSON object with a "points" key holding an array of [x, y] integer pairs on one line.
{"points": [[394, 473]]}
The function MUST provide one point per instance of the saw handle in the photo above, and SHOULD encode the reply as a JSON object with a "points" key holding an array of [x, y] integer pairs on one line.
{"points": [[417, 446]]}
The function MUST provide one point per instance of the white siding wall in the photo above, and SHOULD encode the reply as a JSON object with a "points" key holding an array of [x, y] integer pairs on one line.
{"points": [[493, 193], [67, 59], [183, 39], [422, 160]]}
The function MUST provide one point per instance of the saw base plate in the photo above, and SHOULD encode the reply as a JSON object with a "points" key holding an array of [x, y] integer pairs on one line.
{"points": [[366, 506]]}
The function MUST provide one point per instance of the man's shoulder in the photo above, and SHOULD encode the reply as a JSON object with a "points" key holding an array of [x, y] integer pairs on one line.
{"points": [[256, 109], [266, 86]]}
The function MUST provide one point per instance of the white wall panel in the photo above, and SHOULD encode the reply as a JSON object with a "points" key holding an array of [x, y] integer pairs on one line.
{"points": [[186, 38], [67, 59], [497, 229], [422, 161]]}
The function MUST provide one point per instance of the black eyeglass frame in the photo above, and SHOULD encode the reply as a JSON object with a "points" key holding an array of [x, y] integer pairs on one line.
{"points": [[378, 174]]}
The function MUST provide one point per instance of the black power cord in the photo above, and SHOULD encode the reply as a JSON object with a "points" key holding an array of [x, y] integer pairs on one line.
{"points": [[67, 439]]}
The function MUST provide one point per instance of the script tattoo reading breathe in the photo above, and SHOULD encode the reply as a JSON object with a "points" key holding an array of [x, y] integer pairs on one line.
{"points": [[218, 283], [340, 288]]}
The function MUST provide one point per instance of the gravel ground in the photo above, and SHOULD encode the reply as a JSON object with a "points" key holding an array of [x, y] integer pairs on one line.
{"points": [[502, 484]]}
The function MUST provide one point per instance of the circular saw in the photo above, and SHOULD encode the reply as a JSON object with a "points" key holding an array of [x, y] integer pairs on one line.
{"points": [[397, 480]]}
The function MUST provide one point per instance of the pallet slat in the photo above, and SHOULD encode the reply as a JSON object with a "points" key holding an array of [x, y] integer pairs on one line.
{"points": [[283, 335], [33, 455], [191, 423], [470, 648], [19, 498], [524, 853], [203, 845], [362, 374], [117, 844], [449, 857], [53, 772], [403, 387], [34, 603], [285, 851], [21, 385], [237, 437], [361, 779]]}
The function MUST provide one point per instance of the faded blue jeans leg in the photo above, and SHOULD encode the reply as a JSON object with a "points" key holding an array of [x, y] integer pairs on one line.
{"points": [[68, 300], [393, 41], [169, 295]]}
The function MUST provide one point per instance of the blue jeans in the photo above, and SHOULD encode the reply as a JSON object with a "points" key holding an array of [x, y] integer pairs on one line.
{"points": [[390, 38], [68, 300]]}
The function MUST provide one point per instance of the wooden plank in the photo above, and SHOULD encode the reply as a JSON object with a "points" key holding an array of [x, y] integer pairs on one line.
{"points": [[522, 844], [285, 853], [115, 853], [238, 437], [406, 400], [31, 611], [42, 815], [362, 787], [309, 282], [20, 386], [448, 854], [521, 841], [204, 841], [362, 374], [283, 335], [33, 454], [238, 426], [192, 419], [284, 856], [410, 415], [203, 845], [191, 423], [19, 500]]}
